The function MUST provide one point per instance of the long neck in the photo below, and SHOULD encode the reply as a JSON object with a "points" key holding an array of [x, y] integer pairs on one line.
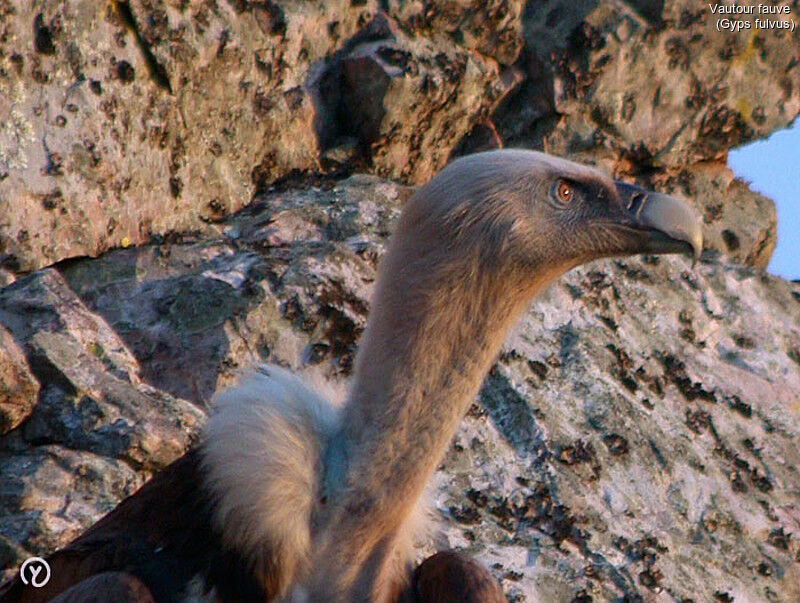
{"points": [[435, 328], [422, 360]]}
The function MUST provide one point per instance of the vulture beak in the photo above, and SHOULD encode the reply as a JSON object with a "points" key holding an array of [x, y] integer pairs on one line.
{"points": [[669, 225]]}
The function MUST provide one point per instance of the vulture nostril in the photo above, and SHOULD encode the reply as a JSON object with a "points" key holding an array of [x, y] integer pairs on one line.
{"points": [[637, 203]]}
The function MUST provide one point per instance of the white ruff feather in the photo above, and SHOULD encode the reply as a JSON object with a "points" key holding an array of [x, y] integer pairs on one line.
{"points": [[262, 458]]}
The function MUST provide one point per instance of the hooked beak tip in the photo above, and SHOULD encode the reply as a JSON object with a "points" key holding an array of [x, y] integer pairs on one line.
{"points": [[697, 246], [675, 219]]}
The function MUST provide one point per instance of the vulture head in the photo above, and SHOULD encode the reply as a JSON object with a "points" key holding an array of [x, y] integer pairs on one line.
{"points": [[525, 210]]}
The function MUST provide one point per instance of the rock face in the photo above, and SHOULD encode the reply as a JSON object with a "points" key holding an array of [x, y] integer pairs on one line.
{"points": [[96, 431], [661, 468], [154, 106], [18, 387], [182, 112], [237, 166]]}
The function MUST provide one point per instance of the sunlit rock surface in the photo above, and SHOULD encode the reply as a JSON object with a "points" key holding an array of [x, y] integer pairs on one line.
{"points": [[122, 121]]}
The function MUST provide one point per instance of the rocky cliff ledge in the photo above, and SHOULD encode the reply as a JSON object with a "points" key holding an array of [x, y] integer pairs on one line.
{"points": [[233, 169]]}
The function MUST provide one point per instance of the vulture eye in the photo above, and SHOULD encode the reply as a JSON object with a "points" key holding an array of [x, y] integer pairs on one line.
{"points": [[564, 191]]}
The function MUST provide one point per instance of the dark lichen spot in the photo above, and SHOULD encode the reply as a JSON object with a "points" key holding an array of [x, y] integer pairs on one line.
{"points": [[650, 577], [689, 18], [698, 95], [628, 107], [42, 36], [96, 87], [609, 322], [294, 98], [676, 373], [512, 575], [175, 186], [51, 200], [786, 86], [723, 127], [582, 597], [779, 539], [503, 511], [622, 367], [333, 29], [731, 240], [55, 165], [617, 445], [735, 403], [475, 411], [540, 511], [270, 18], [216, 209], [124, 71], [262, 103], [737, 483], [224, 37], [39, 75], [318, 352], [478, 498], [678, 53], [712, 212], [697, 420], [10, 262], [17, 62], [538, 368], [760, 481], [654, 382], [580, 452]]}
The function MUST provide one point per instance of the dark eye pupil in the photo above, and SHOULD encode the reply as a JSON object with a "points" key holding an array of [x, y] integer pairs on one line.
{"points": [[564, 191]]}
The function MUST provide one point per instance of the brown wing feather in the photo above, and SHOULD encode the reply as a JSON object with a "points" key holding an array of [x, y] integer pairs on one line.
{"points": [[108, 587], [450, 577], [161, 536], [66, 569]]}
